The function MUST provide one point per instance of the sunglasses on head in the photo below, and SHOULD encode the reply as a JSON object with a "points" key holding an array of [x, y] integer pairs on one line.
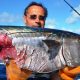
{"points": [[33, 17]]}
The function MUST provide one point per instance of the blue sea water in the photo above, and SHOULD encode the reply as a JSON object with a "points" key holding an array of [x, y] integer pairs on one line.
{"points": [[2, 72]]}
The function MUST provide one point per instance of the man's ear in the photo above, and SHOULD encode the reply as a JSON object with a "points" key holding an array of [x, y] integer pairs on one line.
{"points": [[24, 18]]}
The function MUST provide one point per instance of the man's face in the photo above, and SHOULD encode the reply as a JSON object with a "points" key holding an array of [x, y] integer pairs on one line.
{"points": [[35, 17]]}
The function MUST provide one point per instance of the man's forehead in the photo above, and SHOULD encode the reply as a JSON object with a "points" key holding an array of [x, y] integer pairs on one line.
{"points": [[35, 9]]}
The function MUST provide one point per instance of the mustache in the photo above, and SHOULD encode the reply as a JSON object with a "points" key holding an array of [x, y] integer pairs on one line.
{"points": [[39, 24]]}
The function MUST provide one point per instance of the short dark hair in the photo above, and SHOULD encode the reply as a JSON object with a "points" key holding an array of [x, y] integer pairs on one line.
{"points": [[37, 4]]}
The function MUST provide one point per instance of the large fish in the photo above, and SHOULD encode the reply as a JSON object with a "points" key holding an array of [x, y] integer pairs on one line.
{"points": [[40, 50]]}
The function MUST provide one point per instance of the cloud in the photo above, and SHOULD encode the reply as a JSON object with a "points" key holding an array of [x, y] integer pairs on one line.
{"points": [[9, 18], [74, 17], [77, 31], [50, 23]]}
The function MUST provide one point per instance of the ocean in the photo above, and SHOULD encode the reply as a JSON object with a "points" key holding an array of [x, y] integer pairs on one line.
{"points": [[2, 72]]}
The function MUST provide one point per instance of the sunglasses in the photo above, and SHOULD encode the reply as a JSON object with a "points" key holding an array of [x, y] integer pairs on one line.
{"points": [[33, 17]]}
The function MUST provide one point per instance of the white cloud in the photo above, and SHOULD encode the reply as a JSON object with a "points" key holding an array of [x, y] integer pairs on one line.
{"points": [[7, 17], [74, 16], [77, 31], [50, 23]]}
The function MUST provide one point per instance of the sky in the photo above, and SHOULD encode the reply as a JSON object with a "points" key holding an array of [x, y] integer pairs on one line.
{"points": [[60, 15]]}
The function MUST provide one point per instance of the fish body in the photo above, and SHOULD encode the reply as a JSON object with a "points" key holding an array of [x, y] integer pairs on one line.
{"points": [[40, 50]]}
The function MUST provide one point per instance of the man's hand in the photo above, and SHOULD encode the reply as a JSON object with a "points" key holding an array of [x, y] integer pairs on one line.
{"points": [[69, 73]]}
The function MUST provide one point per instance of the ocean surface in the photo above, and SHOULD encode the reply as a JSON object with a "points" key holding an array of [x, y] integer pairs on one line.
{"points": [[2, 72]]}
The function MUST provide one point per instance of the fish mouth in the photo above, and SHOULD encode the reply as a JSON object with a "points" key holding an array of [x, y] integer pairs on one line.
{"points": [[1, 47]]}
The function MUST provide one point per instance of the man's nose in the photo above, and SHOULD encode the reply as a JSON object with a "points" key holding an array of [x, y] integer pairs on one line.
{"points": [[37, 19]]}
